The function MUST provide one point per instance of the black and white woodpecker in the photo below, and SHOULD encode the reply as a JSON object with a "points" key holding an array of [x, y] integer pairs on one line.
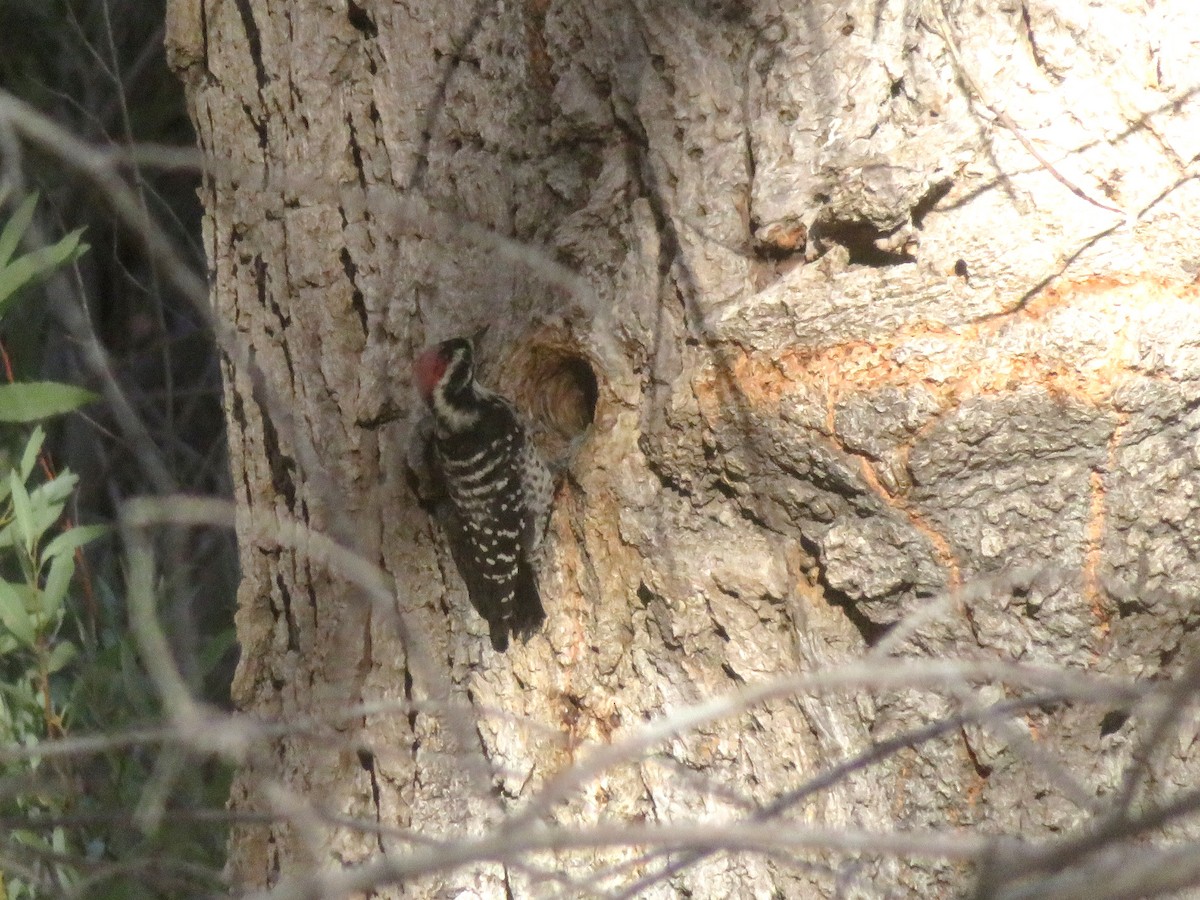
{"points": [[478, 474]]}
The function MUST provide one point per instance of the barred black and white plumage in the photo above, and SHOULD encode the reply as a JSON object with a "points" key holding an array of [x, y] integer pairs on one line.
{"points": [[491, 491]]}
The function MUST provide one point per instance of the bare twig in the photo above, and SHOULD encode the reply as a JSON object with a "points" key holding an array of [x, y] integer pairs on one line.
{"points": [[939, 23], [933, 675], [505, 845]]}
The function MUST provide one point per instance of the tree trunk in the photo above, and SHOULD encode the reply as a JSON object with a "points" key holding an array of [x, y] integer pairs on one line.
{"points": [[827, 309]]}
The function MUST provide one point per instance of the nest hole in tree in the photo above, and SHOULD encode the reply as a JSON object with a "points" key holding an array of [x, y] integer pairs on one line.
{"points": [[559, 388]]}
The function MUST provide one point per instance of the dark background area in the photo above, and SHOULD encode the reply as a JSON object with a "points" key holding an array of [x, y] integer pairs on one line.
{"points": [[97, 68]]}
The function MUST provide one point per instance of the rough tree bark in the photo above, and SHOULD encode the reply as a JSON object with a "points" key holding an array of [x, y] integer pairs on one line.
{"points": [[852, 303]]}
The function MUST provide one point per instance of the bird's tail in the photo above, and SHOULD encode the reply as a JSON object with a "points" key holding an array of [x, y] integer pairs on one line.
{"points": [[521, 612]]}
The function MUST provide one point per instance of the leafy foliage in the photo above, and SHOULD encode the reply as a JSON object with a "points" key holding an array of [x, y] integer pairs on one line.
{"points": [[34, 650], [77, 826], [17, 273], [68, 666]]}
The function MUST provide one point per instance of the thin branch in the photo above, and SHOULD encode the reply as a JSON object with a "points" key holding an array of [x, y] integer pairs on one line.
{"points": [[933, 675], [506, 845], [939, 23]]}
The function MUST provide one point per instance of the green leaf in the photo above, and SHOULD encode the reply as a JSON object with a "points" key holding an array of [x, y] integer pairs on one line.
{"points": [[46, 502], [25, 269], [56, 490], [66, 543], [32, 449], [32, 400], [62, 654], [13, 614], [22, 510], [57, 582], [16, 227], [30, 838]]}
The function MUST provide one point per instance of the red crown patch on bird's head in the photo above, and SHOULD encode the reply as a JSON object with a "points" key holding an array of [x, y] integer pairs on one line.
{"points": [[429, 369], [448, 364]]}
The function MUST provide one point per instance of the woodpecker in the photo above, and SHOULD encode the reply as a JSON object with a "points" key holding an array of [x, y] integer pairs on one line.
{"points": [[478, 474]]}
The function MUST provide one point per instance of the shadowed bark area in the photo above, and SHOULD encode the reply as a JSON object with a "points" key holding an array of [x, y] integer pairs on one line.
{"points": [[827, 308]]}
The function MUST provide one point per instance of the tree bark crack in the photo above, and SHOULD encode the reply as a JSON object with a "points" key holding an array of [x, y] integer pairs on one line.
{"points": [[282, 466], [357, 301], [285, 595]]}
